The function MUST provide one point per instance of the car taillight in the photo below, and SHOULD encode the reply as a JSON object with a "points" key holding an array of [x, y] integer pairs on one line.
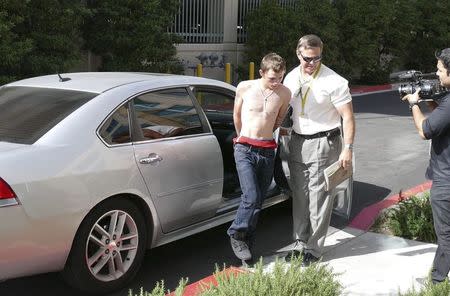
{"points": [[5, 190]]}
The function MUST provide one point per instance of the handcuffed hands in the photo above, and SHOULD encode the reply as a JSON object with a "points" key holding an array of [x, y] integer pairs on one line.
{"points": [[284, 131]]}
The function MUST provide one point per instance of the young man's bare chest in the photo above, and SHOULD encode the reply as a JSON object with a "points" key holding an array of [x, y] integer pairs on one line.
{"points": [[259, 103]]}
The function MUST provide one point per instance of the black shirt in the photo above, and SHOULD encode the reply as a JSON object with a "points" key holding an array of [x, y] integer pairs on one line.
{"points": [[437, 128]]}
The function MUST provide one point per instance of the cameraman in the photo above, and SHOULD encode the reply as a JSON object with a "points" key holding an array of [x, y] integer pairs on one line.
{"points": [[437, 128]]}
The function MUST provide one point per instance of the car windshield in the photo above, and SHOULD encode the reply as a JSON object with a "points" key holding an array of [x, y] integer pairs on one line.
{"points": [[27, 113]]}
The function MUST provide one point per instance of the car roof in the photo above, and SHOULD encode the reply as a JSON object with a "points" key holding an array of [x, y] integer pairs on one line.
{"points": [[98, 82]]}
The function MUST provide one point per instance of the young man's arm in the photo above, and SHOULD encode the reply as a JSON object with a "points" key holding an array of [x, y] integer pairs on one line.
{"points": [[237, 109], [285, 96]]}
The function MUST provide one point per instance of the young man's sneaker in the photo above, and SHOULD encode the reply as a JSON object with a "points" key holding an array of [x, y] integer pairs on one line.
{"points": [[240, 249], [309, 259]]}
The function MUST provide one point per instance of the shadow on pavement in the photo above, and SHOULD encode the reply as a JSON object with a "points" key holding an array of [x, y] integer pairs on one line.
{"points": [[365, 194]]}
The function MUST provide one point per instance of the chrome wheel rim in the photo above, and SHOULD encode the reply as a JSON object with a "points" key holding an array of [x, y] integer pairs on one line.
{"points": [[112, 245]]}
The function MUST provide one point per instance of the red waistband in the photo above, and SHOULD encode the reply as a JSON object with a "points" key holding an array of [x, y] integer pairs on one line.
{"points": [[254, 142]]}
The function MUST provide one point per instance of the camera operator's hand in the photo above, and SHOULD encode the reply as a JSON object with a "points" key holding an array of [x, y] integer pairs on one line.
{"points": [[412, 98]]}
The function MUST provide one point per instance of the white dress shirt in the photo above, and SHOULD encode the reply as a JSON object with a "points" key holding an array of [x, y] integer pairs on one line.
{"points": [[327, 91]]}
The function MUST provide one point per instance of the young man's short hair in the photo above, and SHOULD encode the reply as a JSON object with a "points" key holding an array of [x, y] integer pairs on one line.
{"points": [[273, 61]]}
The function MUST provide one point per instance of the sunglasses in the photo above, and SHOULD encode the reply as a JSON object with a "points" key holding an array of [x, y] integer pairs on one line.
{"points": [[311, 59]]}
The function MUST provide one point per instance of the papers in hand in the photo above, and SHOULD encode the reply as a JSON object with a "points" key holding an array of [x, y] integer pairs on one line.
{"points": [[335, 175]]}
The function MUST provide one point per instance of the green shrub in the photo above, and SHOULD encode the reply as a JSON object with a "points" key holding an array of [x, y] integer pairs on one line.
{"points": [[160, 290], [412, 219], [284, 279], [430, 290]]}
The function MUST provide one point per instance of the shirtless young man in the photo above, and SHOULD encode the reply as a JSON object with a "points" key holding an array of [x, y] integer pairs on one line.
{"points": [[259, 109]]}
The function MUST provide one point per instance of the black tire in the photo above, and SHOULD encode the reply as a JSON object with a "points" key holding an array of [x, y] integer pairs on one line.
{"points": [[112, 266]]}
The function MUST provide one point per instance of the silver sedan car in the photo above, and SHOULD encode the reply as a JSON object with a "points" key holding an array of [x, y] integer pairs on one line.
{"points": [[97, 167]]}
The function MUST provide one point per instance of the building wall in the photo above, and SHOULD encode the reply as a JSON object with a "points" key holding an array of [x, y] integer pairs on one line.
{"points": [[214, 34], [212, 57]]}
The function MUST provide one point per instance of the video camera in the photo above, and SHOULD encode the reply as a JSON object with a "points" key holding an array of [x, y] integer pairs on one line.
{"points": [[430, 87]]}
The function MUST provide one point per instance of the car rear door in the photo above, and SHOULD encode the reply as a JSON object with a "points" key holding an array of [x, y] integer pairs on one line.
{"points": [[178, 157]]}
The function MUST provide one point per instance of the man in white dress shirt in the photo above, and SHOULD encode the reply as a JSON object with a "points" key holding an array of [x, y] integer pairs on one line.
{"points": [[320, 101]]}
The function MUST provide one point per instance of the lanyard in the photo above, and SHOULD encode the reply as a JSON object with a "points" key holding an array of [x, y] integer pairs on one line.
{"points": [[304, 97]]}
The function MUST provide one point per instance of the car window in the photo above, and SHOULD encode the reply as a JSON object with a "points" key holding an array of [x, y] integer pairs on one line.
{"points": [[116, 129], [27, 113], [214, 101], [167, 113]]}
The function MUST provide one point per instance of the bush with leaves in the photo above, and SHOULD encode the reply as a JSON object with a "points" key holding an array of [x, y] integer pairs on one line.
{"points": [[39, 37], [132, 36], [160, 290], [411, 218], [272, 28], [283, 279], [374, 34], [430, 290], [429, 32]]}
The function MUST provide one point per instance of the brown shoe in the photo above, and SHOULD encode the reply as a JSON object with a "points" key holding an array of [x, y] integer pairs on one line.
{"points": [[309, 259]]}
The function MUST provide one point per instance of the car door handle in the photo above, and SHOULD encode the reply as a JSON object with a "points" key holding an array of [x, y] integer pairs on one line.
{"points": [[153, 158]]}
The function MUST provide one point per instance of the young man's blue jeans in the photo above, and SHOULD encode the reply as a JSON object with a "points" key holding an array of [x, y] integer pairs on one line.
{"points": [[255, 168]]}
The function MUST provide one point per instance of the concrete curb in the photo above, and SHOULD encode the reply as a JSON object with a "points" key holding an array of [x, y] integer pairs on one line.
{"points": [[365, 219]]}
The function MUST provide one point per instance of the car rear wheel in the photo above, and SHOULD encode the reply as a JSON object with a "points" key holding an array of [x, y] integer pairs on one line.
{"points": [[108, 248]]}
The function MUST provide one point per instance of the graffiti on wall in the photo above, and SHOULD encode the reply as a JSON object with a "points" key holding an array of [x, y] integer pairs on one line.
{"points": [[212, 59], [207, 59]]}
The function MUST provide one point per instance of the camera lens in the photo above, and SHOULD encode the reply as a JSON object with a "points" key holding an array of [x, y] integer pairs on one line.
{"points": [[406, 89]]}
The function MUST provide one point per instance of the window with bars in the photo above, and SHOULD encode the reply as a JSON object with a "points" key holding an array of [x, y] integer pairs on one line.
{"points": [[200, 21]]}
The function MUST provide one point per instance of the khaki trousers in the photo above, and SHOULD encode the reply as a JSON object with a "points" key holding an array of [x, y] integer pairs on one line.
{"points": [[312, 206]]}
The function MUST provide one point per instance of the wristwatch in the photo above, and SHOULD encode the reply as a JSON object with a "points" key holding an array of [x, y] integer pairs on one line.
{"points": [[349, 146], [413, 104]]}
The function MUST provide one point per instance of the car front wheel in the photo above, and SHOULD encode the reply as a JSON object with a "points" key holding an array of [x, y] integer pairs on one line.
{"points": [[108, 248]]}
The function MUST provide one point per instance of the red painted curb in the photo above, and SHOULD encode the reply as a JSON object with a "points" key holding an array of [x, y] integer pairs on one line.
{"points": [[195, 288], [364, 220], [370, 88]]}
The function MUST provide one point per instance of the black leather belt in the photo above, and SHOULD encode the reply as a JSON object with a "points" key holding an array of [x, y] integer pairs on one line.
{"points": [[329, 134]]}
